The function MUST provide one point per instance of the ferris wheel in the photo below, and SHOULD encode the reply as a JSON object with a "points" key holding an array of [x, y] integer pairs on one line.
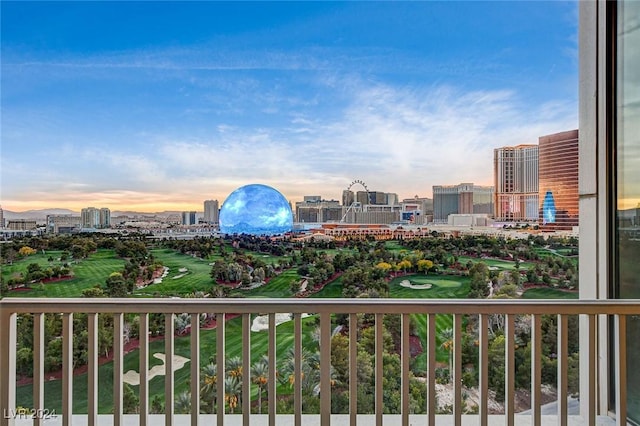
{"points": [[358, 182], [355, 204]]}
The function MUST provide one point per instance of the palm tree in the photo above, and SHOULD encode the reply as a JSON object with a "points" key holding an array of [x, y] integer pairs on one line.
{"points": [[234, 367], [208, 380], [260, 377], [183, 403], [232, 391], [182, 321]]}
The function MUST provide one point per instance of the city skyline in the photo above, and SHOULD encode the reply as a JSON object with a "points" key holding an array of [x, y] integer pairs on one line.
{"points": [[158, 106]]}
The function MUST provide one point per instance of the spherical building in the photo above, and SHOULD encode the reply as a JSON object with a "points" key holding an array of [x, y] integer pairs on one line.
{"points": [[257, 210]]}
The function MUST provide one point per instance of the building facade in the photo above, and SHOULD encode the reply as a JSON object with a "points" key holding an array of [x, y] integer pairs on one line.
{"points": [[558, 180], [515, 172], [211, 211], [63, 223], [416, 210], [314, 209], [464, 198], [92, 217], [189, 218], [21, 224]]}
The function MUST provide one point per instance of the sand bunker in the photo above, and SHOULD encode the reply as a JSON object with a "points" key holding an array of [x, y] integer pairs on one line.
{"points": [[165, 272], [252, 286], [261, 322], [133, 378], [407, 283]]}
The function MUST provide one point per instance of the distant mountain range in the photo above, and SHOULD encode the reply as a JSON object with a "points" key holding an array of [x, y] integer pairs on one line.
{"points": [[43, 213]]}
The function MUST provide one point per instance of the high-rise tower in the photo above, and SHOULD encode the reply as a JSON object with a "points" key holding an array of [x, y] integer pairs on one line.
{"points": [[558, 180], [211, 211], [515, 171]]}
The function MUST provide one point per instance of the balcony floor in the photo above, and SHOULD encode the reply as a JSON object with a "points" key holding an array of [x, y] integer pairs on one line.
{"points": [[314, 420]]}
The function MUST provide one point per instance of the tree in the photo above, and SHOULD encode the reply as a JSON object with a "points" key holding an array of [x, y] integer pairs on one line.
{"points": [[479, 274], [260, 377], [26, 251], [384, 267], [93, 292], [182, 403], [232, 391], [156, 406], [425, 265], [446, 336], [130, 401], [116, 285], [208, 380], [404, 265]]}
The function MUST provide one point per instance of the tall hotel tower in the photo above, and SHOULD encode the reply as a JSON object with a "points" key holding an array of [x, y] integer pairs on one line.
{"points": [[211, 211], [515, 171], [558, 180], [92, 217]]}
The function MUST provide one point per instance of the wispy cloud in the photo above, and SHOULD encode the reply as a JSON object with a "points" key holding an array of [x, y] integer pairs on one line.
{"points": [[395, 139]]}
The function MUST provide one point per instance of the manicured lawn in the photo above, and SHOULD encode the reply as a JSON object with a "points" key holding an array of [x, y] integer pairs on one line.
{"points": [[393, 246], [497, 263], [442, 286], [269, 259], [86, 274], [278, 286], [548, 293], [332, 290], [196, 278]]}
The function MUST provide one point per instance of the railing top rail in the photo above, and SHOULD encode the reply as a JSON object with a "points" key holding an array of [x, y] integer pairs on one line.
{"points": [[345, 306]]}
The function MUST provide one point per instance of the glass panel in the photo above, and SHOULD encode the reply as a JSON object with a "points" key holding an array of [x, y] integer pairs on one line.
{"points": [[628, 175]]}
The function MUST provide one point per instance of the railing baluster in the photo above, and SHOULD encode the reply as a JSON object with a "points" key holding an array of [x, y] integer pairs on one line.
{"points": [[67, 368], [246, 369], [431, 369], [195, 368], [590, 355], [590, 313], [118, 350], [563, 368], [169, 332], [405, 352], [509, 369], [38, 366], [271, 384], [297, 369], [221, 368], [457, 369], [483, 328], [92, 371], [620, 360], [144, 369], [8, 342], [353, 369], [536, 369], [325, 369], [379, 367]]}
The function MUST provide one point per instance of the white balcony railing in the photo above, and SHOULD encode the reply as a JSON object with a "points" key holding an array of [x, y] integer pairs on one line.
{"points": [[588, 310]]}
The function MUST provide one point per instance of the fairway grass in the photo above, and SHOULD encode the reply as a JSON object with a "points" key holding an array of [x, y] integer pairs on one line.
{"points": [[196, 278], [505, 265], [548, 293], [87, 273]]}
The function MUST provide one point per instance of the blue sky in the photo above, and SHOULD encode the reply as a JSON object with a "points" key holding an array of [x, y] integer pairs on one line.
{"points": [[150, 106]]}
